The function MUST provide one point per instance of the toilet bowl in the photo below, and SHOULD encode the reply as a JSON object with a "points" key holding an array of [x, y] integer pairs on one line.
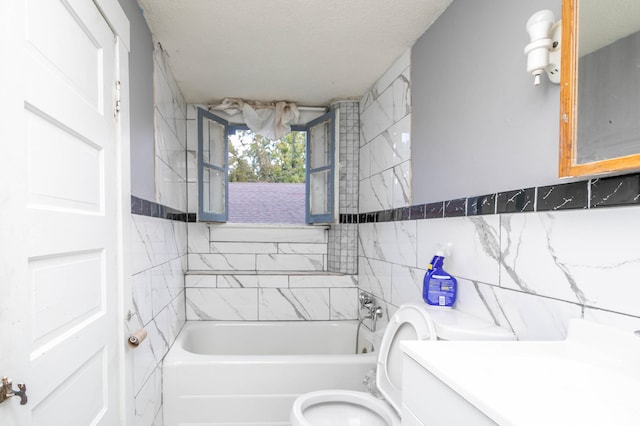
{"points": [[343, 407], [410, 322]]}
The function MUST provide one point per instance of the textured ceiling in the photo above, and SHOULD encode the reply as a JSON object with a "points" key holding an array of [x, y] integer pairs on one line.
{"points": [[306, 51]]}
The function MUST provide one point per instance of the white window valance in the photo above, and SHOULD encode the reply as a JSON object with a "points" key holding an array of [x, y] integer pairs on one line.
{"points": [[271, 120]]}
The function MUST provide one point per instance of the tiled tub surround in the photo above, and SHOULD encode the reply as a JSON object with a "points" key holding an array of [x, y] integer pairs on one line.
{"points": [[343, 237], [277, 272], [530, 268], [385, 177], [272, 272]]}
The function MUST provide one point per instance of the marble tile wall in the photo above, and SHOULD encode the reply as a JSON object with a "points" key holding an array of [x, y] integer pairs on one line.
{"points": [[170, 136], [528, 260], [528, 272], [384, 170], [385, 144], [159, 250], [278, 272], [159, 262], [271, 272], [343, 237]]}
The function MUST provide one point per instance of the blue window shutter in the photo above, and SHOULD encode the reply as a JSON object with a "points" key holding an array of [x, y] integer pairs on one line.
{"points": [[321, 169], [213, 167]]}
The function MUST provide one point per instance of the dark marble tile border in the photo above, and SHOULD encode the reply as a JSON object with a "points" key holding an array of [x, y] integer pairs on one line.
{"points": [[518, 201], [593, 193], [484, 204], [434, 210], [416, 212], [143, 207], [563, 197], [455, 208], [616, 191]]}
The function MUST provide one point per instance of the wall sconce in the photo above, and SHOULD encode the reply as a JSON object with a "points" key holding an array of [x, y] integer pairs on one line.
{"points": [[543, 52]]}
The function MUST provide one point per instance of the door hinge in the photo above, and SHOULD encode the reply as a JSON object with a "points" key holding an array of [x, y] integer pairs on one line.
{"points": [[117, 98]]}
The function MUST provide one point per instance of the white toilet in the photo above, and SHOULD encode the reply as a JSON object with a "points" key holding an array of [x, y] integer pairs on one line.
{"points": [[410, 322]]}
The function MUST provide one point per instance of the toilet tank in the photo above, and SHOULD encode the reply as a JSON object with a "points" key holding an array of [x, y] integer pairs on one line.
{"points": [[452, 324]]}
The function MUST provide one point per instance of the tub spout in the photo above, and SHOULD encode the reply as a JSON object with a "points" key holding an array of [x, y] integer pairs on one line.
{"points": [[375, 312]]}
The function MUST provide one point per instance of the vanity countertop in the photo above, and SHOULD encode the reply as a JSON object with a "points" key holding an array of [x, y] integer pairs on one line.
{"points": [[591, 378]]}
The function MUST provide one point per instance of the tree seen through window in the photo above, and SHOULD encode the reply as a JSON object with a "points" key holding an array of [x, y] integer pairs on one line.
{"points": [[254, 158]]}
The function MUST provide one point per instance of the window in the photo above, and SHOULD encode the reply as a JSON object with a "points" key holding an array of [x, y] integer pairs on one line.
{"points": [[321, 162], [213, 167]]}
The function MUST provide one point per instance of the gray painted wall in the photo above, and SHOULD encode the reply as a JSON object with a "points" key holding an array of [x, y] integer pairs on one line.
{"points": [[141, 103], [479, 125]]}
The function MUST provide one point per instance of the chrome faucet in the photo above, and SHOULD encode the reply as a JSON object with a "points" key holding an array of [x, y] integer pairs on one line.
{"points": [[375, 311]]}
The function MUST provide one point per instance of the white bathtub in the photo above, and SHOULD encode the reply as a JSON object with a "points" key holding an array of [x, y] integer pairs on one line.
{"points": [[248, 373]]}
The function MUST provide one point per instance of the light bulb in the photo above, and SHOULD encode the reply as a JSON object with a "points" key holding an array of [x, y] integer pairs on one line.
{"points": [[539, 25]]}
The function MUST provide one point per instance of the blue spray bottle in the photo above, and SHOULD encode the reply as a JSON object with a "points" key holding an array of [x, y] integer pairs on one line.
{"points": [[439, 288]]}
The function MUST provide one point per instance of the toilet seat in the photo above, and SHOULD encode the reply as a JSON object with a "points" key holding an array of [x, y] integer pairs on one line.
{"points": [[342, 407], [410, 322]]}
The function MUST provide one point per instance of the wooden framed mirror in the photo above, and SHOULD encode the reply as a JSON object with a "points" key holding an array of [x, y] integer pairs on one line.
{"points": [[600, 87]]}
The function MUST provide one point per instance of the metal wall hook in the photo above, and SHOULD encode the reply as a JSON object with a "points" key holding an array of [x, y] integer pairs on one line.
{"points": [[6, 392]]}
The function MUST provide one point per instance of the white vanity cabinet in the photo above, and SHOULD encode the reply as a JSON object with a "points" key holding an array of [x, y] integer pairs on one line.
{"points": [[427, 401], [590, 379]]}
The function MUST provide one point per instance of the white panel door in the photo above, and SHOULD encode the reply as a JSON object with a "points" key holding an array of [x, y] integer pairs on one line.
{"points": [[58, 325]]}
